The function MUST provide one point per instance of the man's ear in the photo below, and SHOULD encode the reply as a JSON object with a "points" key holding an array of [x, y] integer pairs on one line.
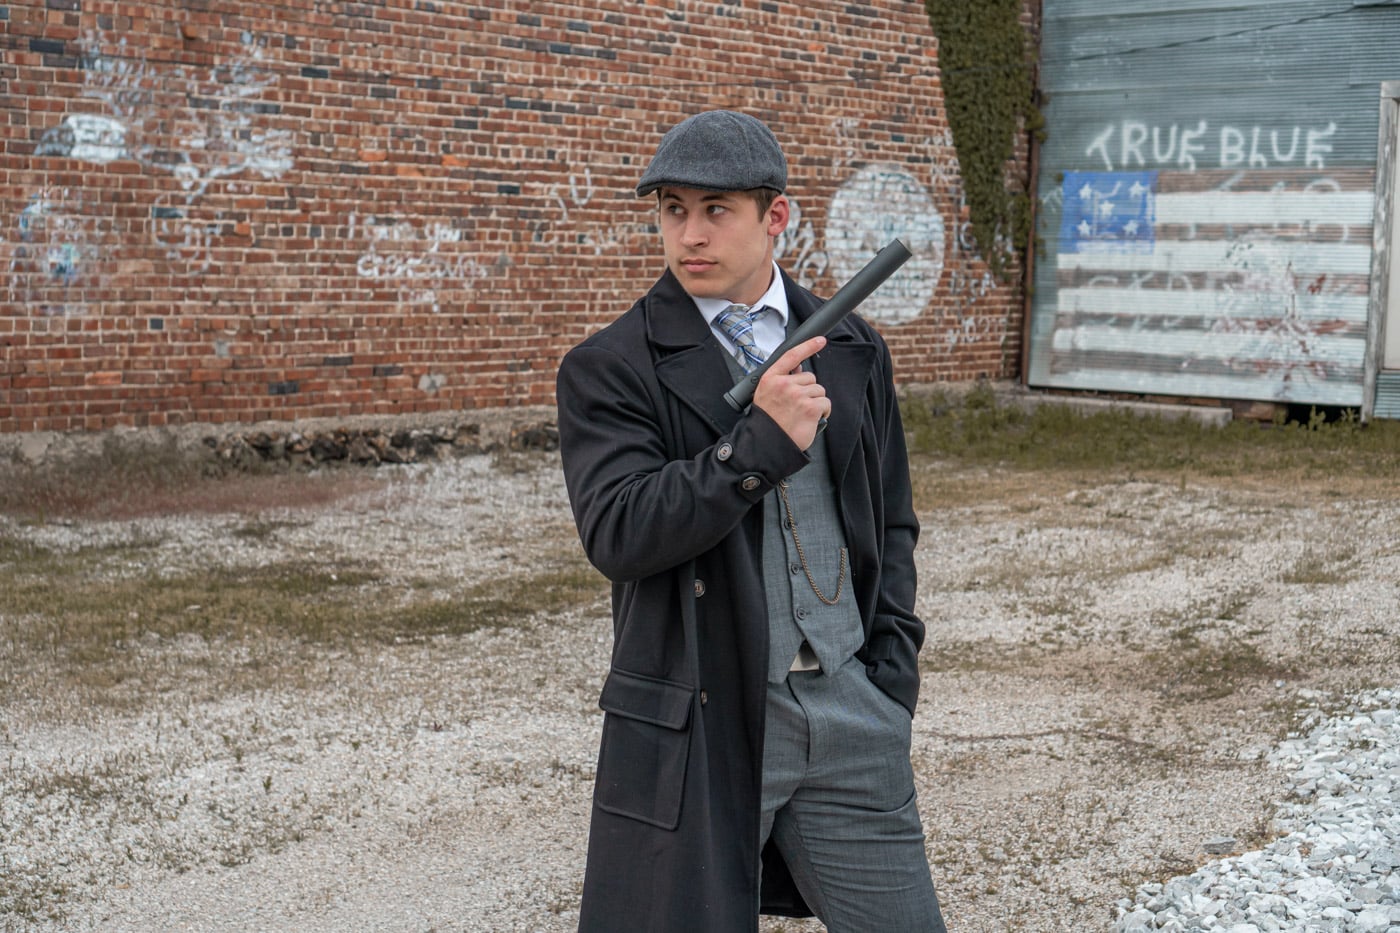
{"points": [[779, 213]]}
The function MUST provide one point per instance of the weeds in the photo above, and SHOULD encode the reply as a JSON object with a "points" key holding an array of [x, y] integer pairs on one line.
{"points": [[1196, 671], [93, 628], [1316, 567], [1319, 452], [122, 479]]}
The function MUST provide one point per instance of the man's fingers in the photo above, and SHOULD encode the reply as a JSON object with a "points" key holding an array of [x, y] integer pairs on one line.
{"points": [[794, 358]]}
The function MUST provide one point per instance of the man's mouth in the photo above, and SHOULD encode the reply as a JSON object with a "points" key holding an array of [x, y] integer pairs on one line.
{"points": [[692, 264]]}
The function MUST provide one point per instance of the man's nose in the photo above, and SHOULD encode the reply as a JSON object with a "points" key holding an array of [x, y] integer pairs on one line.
{"points": [[694, 233]]}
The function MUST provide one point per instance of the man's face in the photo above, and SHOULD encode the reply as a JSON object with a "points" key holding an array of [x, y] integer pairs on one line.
{"points": [[718, 244]]}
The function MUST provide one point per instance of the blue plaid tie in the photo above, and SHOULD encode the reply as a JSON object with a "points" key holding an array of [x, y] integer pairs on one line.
{"points": [[737, 323]]}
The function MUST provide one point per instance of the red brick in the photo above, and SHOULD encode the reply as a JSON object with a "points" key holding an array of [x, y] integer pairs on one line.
{"points": [[457, 197]]}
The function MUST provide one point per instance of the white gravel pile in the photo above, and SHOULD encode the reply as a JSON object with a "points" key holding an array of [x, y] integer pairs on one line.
{"points": [[1338, 867]]}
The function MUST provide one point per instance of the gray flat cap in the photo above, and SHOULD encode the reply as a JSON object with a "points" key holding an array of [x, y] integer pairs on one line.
{"points": [[718, 150]]}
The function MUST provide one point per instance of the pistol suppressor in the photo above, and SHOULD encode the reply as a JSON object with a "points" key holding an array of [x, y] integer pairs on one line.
{"points": [[855, 291]]}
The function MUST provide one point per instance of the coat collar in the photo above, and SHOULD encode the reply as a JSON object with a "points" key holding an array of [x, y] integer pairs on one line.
{"points": [[690, 362]]}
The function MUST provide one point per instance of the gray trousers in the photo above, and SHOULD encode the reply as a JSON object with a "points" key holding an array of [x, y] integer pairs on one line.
{"points": [[839, 802]]}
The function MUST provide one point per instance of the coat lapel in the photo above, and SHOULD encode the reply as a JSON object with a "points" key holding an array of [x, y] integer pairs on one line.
{"points": [[690, 364], [843, 367]]}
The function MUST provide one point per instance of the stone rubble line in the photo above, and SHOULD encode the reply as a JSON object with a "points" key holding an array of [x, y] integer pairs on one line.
{"points": [[1338, 867], [372, 446]]}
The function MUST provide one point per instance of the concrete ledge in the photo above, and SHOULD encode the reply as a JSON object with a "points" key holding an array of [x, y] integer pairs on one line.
{"points": [[1213, 417], [1013, 394]]}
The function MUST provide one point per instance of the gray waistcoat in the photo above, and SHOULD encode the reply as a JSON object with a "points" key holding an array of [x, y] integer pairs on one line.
{"points": [[795, 612]]}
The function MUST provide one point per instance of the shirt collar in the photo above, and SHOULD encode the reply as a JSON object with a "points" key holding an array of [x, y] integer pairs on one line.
{"points": [[775, 298]]}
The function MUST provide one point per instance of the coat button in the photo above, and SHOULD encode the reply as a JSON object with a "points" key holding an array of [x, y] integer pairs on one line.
{"points": [[800, 613], [699, 587], [704, 698], [724, 452], [750, 483]]}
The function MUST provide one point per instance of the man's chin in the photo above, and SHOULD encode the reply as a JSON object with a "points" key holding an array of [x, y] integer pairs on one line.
{"points": [[698, 286]]}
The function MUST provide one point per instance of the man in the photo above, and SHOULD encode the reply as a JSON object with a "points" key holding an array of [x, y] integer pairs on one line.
{"points": [[755, 750]]}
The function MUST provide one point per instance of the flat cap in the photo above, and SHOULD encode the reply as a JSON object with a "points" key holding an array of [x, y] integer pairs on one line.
{"points": [[718, 150]]}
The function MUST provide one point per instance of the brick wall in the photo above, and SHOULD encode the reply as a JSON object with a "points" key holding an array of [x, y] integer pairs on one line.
{"points": [[219, 211]]}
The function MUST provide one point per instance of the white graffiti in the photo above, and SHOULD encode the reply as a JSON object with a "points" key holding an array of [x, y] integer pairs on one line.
{"points": [[574, 231], [423, 262], [201, 127], [88, 137], [1281, 316], [56, 244], [1135, 144], [845, 131], [198, 125], [1258, 303], [877, 204], [796, 248], [967, 280]]}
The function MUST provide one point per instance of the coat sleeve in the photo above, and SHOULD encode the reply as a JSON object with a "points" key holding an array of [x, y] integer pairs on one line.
{"points": [[638, 511], [896, 632]]}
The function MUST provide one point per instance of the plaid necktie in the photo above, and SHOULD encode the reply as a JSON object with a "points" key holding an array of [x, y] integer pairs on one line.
{"points": [[737, 323]]}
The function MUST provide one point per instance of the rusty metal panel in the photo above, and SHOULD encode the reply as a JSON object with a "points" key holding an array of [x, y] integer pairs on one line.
{"points": [[1207, 191]]}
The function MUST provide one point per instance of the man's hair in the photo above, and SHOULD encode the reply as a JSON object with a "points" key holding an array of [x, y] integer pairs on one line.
{"points": [[763, 197]]}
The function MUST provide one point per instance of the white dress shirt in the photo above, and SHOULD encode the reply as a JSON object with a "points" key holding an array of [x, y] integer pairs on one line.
{"points": [[769, 331]]}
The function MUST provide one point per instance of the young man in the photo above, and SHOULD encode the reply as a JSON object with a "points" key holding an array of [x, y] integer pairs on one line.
{"points": [[755, 751]]}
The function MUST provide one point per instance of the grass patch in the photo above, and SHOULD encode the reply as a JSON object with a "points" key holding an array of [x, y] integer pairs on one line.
{"points": [[69, 616], [980, 657], [1316, 567], [262, 529], [125, 479], [501, 603], [1320, 454], [1196, 671]]}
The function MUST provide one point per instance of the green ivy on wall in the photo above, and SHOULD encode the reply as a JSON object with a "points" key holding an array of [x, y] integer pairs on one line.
{"points": [[984, 58]]}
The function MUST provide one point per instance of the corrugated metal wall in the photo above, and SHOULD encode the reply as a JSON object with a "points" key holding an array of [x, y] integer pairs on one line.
{"points": [[1207, 188]]}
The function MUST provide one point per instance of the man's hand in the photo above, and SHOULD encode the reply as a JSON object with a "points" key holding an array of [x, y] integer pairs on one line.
{"points": [[793, 398]]}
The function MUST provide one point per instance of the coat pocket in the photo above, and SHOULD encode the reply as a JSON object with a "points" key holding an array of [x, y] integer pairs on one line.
{"points": [[645, 747]]}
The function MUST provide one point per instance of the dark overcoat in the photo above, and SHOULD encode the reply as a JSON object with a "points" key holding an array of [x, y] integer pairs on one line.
{"points": [[667, 485]]}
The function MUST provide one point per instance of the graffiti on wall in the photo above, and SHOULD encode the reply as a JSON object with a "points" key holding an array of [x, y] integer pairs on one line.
{"points": [[424, 263], [1108, 212], [798, 250], [1137, 144], [875, 205], [202, 127], [574, 224], [968, 281], [1275, 315], [54, 243], [1214, 284]]}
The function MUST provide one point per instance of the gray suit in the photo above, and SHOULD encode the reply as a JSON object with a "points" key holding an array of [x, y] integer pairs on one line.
{"points": [[838, 788]]}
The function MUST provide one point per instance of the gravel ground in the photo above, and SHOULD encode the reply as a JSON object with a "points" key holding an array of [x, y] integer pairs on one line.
{"points": [[1110, 670]]}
